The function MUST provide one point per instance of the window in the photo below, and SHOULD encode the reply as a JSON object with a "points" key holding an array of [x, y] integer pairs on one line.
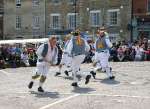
{"points": [[55, 21], [18, 22], [72, 1], [18, 3], [113, 17], [95, 18], [148, 5], [35, 3], [72, 23], [56, 2], [36, 22]]}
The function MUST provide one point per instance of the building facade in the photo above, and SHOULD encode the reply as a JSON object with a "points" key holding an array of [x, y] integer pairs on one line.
{"points": [[90, 15], [1, 18], [141, 19], [24, 19], [40, 18]]}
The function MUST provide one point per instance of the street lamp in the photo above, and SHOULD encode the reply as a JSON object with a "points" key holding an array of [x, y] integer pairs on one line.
{"points": [[132, 21], [45, 19]]}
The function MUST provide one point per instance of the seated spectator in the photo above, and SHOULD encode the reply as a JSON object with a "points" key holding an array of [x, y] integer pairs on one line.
{"points": [[147, 52], [132, 53], [17, 60], [120, 54], [32, 58], [127, 54], [11, 61], [113, 54], [2, 61], [24, 59]]}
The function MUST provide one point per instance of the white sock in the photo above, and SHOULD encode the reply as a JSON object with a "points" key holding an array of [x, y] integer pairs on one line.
{"points": [[40, 84]]}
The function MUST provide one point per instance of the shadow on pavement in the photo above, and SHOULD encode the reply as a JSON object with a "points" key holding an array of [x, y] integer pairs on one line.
{"points": [[82, 90], [65, 77], [110, 82], [45, 94], [68, 78]]}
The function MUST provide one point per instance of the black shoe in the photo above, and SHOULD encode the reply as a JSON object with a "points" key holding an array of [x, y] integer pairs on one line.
{"points": [[74, 84], [57, 73], [40, 89], [93, 74], [66, 73], [87, 79], [112, 77], [30, 85]]}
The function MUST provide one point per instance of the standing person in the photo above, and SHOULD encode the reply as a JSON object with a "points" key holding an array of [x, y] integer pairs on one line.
{"points": [[102, 46], [66, 59], [47, 56], [139, 52], [77, 48]]}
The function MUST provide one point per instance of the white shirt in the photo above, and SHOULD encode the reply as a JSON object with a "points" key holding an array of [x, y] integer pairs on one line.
{"points": [[50, 54], [139, 51]]}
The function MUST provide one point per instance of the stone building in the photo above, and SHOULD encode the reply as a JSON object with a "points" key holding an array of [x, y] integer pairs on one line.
{"points": [[62, 16], [24, 19], [141, 19], [90, 15]]}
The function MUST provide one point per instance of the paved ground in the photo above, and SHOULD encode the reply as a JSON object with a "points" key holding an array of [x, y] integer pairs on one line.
{"points": [[130, 89]]}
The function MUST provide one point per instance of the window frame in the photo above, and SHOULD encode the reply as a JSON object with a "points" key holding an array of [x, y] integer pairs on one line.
{"points": [[18, 3], [35, 3], [36, 22], [92, 23], [109, 17], [18, 22], [72, 24], [56, 3], [52, 25]]}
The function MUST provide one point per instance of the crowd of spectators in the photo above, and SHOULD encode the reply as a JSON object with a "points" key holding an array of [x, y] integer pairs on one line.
{"points": [[12, 56], [124, 51], [137, 51]]}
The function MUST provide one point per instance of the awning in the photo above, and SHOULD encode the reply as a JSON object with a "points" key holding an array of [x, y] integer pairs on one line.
{"points": [[24, 41]]}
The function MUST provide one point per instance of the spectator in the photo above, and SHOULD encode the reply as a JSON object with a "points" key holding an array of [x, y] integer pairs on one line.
{"points": [[2, 61], [147, 52], [24, 59], [113, 54], [139, 53], [120, 54], [17, 59], [32, 58], [127, 53]]}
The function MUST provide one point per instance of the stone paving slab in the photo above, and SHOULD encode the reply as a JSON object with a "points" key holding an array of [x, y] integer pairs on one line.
{"points": [[130, 89]]}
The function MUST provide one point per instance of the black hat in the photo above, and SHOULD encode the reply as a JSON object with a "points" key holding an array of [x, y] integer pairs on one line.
{"points": [[76, 34]]}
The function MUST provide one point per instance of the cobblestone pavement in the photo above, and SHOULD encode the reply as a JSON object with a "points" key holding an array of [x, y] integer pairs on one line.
{"points": [[130, 89]]}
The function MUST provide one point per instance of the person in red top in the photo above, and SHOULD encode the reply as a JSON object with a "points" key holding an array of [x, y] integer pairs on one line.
{"points": [[147, 52]]}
